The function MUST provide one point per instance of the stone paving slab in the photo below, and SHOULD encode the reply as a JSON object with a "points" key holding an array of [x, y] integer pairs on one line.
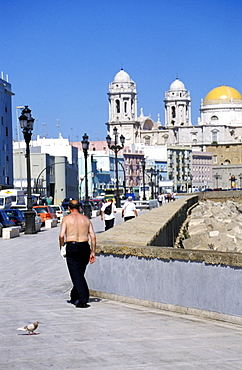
{"points": [[35, 285]]}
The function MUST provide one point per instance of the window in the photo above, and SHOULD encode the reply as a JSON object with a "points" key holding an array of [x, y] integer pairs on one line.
{"points": [[214, 136], [215, 159], [125, 107], [214, 118], [173, 112], [117, 106]]}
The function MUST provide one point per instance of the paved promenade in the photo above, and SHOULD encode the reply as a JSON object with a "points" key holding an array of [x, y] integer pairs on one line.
{"points": [[108, 335]]}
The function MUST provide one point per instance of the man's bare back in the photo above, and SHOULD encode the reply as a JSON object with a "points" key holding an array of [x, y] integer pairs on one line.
{"points": [[77, 228]]}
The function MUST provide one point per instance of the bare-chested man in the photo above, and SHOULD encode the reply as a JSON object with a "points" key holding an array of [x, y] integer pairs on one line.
{"points": [[75, 230]]}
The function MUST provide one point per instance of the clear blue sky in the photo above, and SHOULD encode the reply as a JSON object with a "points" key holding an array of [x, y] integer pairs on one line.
{"points": [[61, 55]]}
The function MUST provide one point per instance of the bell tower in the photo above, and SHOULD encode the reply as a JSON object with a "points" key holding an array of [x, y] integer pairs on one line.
{"points": [[123, 106], [122, 98], [177, 105]]}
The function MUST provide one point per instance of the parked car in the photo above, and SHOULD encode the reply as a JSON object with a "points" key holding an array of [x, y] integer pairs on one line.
{"points": [[45, 212], [67, 200], [97, 203], [5, 221], [65, 206], [38, 219], [59, 211], [16, 216]]}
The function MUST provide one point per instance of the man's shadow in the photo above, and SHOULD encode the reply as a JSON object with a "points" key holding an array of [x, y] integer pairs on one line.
{"points": [[93, 299]]}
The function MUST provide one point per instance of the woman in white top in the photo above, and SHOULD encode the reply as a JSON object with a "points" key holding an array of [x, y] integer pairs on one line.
{"points": [[128, 210]]}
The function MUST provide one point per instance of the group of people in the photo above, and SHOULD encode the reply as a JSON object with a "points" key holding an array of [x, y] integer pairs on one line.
{"points": [[108, 211], [75, 232], [162, 198]]}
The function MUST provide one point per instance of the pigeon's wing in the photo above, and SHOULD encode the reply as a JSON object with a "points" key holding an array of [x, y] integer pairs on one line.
{"points": [[31, 327]]}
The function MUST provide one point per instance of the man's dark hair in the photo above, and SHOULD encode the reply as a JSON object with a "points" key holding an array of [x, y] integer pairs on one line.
{"points": [[74, 204]]}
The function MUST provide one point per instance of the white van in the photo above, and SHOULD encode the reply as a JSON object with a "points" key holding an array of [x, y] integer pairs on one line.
{"points": [[5, 201], [16, 195]]}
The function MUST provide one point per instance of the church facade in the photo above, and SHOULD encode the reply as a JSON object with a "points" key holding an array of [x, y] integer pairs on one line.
{"points": [[218, 130], [220, 121]]}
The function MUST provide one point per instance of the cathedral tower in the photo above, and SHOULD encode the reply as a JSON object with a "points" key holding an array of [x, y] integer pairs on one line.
{"points": [[177, 105], [122, 98], [123, 106]]}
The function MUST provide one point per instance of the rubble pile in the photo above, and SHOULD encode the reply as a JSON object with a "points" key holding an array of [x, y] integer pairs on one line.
{"points": [[214, 226]]}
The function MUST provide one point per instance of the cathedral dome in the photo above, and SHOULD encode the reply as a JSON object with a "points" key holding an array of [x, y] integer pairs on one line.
{"points": [[223, 94], [122, 76], [177, 85]]}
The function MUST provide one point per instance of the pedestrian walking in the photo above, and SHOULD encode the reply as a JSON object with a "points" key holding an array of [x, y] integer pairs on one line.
{"points": [[75, 232], [108, 211], [129, 210], [161, 199]]}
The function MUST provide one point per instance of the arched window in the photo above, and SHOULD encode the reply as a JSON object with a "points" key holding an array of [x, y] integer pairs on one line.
{"points": [[173, 112], [148, 125], [214, 118], [117, 106], [147, 140]]}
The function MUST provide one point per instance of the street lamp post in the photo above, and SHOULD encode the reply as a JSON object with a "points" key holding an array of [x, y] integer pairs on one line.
{"points": [[143, 171], [27, 124], [153, 174], [85, 147], [124, 182], [157, 180], [240, 179], [217, 176], [116, 148], [81, 181]]}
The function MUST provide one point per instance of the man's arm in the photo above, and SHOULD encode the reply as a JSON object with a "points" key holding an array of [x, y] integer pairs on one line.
{"points": [[62, 234], [93, 244]]}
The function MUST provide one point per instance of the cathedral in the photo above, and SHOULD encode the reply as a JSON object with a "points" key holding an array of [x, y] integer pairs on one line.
{"points": [[220, 120], [218, 130]]}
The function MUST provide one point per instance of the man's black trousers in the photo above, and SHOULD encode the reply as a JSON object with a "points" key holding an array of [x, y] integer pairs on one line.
{"points": [[77, 258]]}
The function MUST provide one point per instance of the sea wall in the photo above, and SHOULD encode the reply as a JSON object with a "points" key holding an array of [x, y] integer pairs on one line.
{"points": [[131, 266]]}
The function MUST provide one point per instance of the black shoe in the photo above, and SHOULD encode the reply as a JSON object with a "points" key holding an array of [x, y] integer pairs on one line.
{"points": [[82, 305]]}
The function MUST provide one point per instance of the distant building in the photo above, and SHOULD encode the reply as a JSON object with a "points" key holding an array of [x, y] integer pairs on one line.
{"points": [[179, 167], [202, 174], [101, 173], [54, 168], [6, 148]]}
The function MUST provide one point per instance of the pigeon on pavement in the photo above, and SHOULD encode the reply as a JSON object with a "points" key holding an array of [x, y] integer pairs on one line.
{"points": [[30, 328]]}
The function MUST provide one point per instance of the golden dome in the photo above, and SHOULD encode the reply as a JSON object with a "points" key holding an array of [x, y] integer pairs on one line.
{"points": [[223, 93]]}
